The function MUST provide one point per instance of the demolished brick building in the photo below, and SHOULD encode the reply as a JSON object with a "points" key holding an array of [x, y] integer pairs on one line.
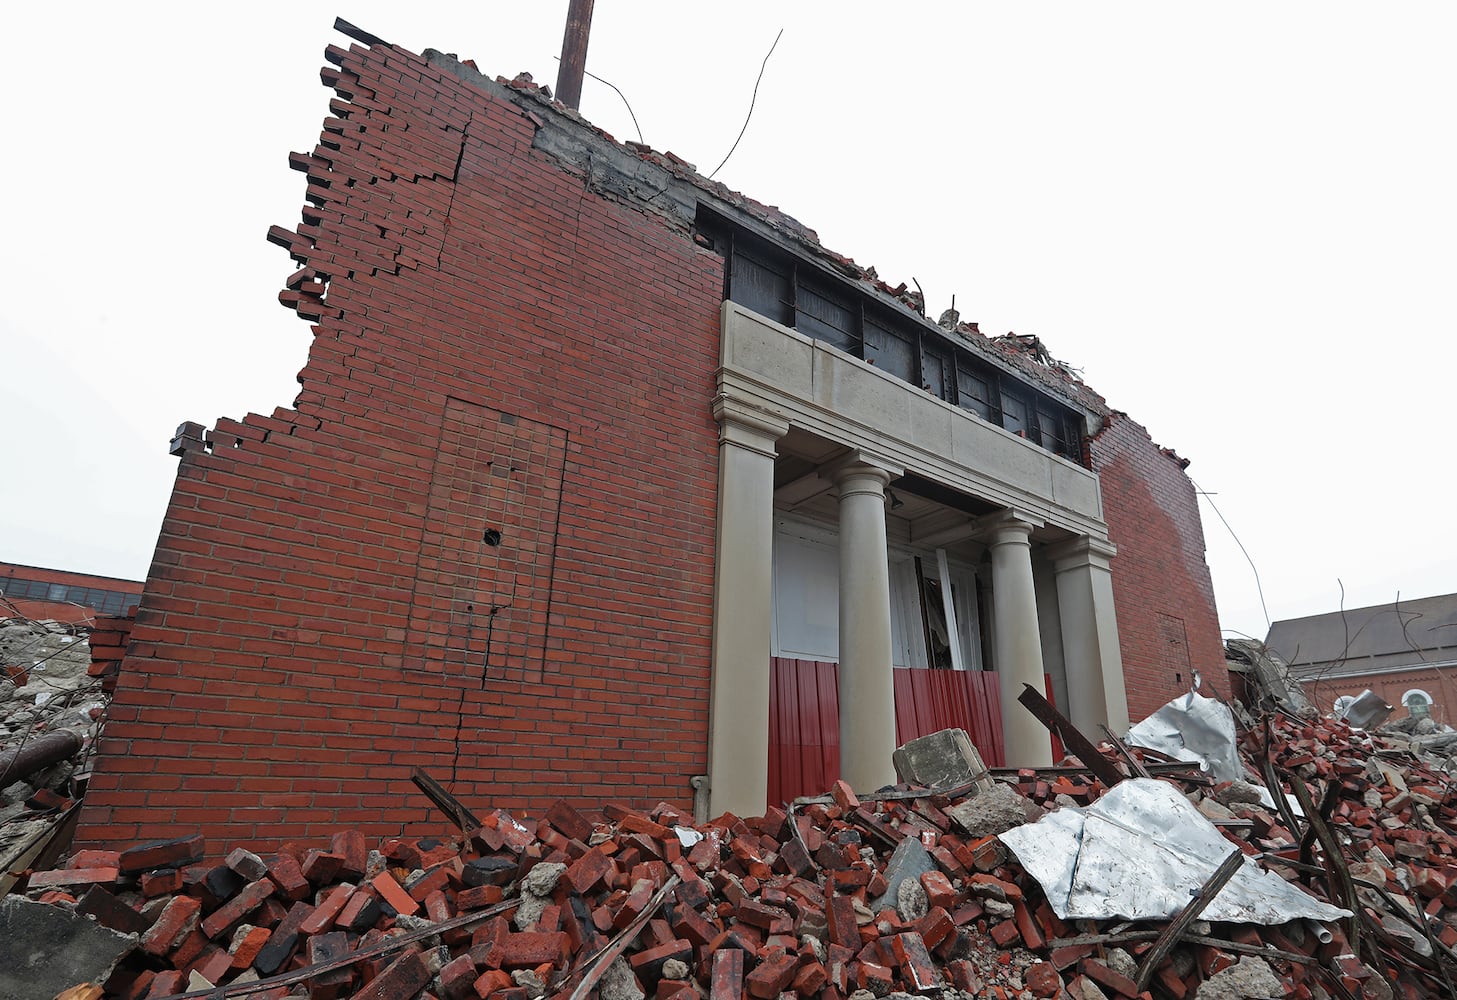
{"points": [[607, 483]]}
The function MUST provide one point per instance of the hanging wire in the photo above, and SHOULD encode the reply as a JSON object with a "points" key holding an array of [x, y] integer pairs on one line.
{"points": [[752, 101], [619, 94], [1258, 588]]}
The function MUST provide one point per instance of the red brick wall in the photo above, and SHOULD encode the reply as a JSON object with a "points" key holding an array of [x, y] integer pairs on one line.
{"points": [[489, 353], [1167, 623], [1440, 683]]}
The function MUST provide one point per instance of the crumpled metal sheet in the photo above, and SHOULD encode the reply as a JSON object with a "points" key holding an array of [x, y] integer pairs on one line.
{"points": [[1193, 728], [1139, 853]]}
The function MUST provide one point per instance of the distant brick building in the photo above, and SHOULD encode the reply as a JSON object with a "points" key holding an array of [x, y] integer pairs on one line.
{"points": [[603, 479], [1405, 651], [39, 593]]}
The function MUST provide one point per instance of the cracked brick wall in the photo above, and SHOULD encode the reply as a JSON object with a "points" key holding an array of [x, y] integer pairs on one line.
{"points": [[328, 606], [1167, 625]]}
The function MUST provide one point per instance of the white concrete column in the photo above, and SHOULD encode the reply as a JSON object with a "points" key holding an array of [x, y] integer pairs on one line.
{"points": [[1018, 646], [1095, 690], [743, 595], [867, 690]]}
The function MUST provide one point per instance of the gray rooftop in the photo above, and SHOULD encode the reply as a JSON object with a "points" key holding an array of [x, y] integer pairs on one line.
{"points": [[1360, 640]]}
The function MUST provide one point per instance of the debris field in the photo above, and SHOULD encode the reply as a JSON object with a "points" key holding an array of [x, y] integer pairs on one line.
{"points": [[908, 891]]}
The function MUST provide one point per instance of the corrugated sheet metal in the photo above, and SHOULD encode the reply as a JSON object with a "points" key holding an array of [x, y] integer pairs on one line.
{"points": [[927, 701], [804, 719], [804, 728]]}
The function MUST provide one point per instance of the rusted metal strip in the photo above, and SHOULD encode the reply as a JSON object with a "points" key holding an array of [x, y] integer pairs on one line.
{"points": [[595, 966], [1334, 859], [1133, 762], [382, 948], [358, 34], [452, 807], [1071, 736], [1176, 930]]}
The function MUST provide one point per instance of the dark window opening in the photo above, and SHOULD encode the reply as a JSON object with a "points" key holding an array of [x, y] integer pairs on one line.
{"points": [[825, 318], [974, 393], [112, 602], [790, 291], [935, 374], [1014, 414], [889, 351]]}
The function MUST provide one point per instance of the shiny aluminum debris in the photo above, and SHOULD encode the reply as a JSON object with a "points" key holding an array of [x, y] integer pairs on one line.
{"points": [[1139, 853], [1193, 728]]}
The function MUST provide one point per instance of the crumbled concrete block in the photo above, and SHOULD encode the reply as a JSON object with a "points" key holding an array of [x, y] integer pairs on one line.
{"points": [[994, 811], [47, 949], [941, 760]]}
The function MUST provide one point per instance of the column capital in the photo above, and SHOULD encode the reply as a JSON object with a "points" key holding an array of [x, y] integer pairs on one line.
{"points": [[860, 463], [748, 426], [1008, 527], [1084, 551]]}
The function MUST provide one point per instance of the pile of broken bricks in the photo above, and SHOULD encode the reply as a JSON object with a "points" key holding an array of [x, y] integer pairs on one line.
{"points": [[907, 891]]}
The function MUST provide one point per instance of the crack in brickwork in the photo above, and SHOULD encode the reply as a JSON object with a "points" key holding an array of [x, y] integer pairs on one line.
{"points": [[483, 588]]}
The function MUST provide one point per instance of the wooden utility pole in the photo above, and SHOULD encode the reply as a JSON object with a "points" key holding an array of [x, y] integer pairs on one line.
{"points": [[574, 53]]}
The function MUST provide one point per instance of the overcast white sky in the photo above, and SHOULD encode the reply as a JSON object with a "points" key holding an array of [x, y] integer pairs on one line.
{"points": [[1238, 220]]}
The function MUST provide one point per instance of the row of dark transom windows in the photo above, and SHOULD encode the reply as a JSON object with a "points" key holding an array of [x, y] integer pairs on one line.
{"points": [[780, 287], [110, 602]]}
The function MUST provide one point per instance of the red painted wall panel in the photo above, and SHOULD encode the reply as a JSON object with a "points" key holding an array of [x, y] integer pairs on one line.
{"points": [[804, 719]]}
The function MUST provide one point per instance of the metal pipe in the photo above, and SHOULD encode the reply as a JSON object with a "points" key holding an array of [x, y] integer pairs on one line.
{"points": [[574, 53], [36, 753]]}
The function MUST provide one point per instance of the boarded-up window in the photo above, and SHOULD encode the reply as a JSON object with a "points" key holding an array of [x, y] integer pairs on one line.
{"points": [[483, 589], [763, 288], [974, 393], [825, 316], [889, 351]]}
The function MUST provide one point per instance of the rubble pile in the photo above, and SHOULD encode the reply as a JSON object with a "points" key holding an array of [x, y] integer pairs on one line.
{"points": [[910, 891], [50, 709]]}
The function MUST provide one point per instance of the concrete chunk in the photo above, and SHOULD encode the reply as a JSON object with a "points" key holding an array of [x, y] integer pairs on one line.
{"points": [[941, 760], [47, 949], [909, 862]]}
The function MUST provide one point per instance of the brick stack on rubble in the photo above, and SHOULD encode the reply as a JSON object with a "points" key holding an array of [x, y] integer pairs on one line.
{"points": [[909, 891]]}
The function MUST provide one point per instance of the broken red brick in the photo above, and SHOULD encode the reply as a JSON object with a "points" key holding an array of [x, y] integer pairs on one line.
{"points": [[320, 867], [392, 893], [247, 943], [95, 859], [772, 975], [529, 949], [457, 978], [1104, 976], [237, 908], [1042, 979], [176, 921], [322, 918], [163, 854], [285, 872], [108, 911], [72, 876], [161, 882], [844, 796]]}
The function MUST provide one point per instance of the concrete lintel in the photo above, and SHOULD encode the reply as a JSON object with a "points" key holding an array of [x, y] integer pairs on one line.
{"points": [[947, 536]]}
